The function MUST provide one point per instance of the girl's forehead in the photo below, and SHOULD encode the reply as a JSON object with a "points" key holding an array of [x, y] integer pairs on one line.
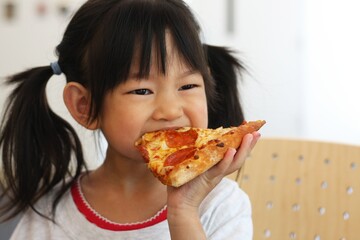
{"points": [[173, 59], [175, 65]]}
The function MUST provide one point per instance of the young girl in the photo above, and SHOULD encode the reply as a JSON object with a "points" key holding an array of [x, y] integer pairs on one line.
{"points": [[131, 67]]}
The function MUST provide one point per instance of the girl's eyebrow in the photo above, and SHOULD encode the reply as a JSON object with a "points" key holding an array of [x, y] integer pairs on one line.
{"points": [[188, 73], [137, 76], [134, 76], [184, 74]]}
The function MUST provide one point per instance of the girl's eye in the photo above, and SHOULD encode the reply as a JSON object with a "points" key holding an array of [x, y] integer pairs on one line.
{"points": [[187, 87], [141, 92]]}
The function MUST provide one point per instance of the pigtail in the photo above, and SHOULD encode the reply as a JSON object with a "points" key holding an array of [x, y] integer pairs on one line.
{"points": [[225, 69], [36, 144]]}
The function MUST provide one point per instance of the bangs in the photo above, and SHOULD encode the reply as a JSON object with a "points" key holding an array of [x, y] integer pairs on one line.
{"points": [[137, 28]]}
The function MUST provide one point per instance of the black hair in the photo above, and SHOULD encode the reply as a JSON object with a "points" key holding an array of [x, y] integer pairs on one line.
{"points": [[40, 150], [225, 69]]}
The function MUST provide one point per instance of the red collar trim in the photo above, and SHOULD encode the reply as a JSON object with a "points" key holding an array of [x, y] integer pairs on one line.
{"points": [[95, 218]]}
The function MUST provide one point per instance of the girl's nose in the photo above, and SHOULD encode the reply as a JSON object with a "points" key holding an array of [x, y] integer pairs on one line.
{"points": [[168, 107]]}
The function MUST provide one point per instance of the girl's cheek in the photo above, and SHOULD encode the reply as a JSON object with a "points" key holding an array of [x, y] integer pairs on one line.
{"points": [[202, 115]]}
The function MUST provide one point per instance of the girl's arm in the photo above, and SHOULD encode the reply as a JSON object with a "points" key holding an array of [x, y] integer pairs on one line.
{"points": [[183, 202]]}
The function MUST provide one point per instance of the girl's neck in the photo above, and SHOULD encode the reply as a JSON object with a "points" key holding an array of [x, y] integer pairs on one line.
{"points": [[123, 178], [121, 171], [124, 196]]}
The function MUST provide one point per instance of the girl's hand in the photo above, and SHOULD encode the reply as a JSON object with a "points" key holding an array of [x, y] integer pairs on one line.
{"points": [[189, 196], [183, 202]]}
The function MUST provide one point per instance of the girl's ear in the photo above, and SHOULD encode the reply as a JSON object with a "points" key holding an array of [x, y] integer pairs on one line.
{"points": [[77, 100]]}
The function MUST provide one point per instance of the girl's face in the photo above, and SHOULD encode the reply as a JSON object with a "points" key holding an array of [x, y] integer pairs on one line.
{"points": [[160, 101]]}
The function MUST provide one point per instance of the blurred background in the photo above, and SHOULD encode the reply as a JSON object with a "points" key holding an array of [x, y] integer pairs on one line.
{"points": [[301, 57]]}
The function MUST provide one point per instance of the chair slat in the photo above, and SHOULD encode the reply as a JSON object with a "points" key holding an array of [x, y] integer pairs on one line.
{"points": [[303, 189]]}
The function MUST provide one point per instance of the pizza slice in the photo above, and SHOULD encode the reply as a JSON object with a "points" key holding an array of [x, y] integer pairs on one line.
{"points": [[176, 156]]}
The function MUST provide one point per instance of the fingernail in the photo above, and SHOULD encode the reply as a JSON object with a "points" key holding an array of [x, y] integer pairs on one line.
{"points": [[251, 137], [232, 150], [257, 135]]}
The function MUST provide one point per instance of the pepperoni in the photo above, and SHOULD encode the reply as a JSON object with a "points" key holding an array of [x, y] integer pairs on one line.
{"points": [[175, 139], [180, 156]]}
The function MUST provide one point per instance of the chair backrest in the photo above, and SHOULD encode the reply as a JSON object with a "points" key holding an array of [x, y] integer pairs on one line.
{"points": [[303, 190]]}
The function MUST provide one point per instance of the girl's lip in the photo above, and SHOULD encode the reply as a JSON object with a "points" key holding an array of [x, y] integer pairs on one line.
{"points": [[166, 128], [169, 128], [163, 129]]}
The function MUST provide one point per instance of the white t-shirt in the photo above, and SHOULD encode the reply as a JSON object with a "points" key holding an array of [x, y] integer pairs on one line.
{"points": [[225, 215]]}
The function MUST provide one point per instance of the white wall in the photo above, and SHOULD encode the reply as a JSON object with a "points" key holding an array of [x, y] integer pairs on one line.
{"points": [[28, 41], [301, 55], [269, 36], [303, 58], [332, 76]]}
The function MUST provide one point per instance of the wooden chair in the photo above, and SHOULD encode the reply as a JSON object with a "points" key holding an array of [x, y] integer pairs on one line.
{"points": [[303, 190]]}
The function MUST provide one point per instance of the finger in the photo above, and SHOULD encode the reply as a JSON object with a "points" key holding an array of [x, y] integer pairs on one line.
{"points": [[233, 159], [221, 167], [243, 152], [256, 136], [246, 145]]}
